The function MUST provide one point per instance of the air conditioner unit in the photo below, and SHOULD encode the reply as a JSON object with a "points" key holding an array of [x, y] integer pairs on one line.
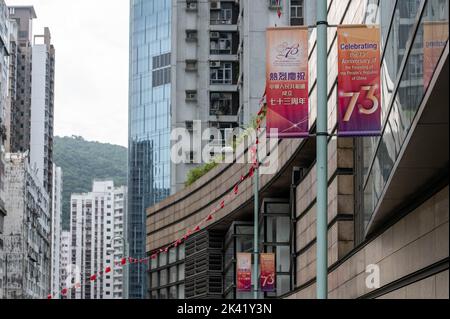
{"points": [[215, 5], [191, 5], [215, 64], [215, 35]]}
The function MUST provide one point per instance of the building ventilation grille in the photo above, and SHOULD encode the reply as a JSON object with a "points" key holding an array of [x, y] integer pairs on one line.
{"points": [[204, 266]]}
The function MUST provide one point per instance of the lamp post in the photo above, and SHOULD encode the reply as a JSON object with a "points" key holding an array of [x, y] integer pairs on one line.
{"points": [[256, 225], [322, 150]]}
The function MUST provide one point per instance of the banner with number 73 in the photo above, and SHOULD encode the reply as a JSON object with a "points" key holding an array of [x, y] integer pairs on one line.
{"points": [[359, 81]]}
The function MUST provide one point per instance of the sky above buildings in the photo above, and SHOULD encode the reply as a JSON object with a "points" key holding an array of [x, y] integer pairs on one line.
{"points": [[91, 42]]}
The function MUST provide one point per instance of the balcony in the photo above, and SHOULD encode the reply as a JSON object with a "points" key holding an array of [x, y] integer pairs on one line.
{"points": [[224, 43], [224, 75], [224, 104], [224, 13]]}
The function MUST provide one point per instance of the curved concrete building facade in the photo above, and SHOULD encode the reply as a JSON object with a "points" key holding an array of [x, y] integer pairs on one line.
{"points": [[388, 196]]}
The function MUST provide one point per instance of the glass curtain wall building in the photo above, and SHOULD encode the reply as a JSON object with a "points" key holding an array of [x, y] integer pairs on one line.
{"points": [[149, 124]]}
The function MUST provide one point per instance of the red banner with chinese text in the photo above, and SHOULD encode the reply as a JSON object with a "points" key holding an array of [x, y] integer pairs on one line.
{"points": [[359, 81], [287, 82], [244, 272], [268, 275]]}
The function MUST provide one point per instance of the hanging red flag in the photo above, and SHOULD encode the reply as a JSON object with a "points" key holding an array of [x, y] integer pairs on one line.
{"points": [[236, 189], [64, 292], [279, 12], [252, 172], [49, 297], [107, 270], [209, 218], [93, 278], [124, 261]]}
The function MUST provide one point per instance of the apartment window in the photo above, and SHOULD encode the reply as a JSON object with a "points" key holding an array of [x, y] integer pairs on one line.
{"points": [[224, 13], [297, 16], [191, 65], [274, 4], [221, 43], [191, 35], [191, 5], [221, 72], [223, 104], [191, 96]]}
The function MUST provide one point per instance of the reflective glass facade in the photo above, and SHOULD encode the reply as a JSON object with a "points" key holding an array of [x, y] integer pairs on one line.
{"points": [[149, 124], [415, 33]]}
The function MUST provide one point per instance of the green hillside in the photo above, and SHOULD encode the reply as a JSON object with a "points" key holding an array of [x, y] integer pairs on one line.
{"points": [[82, 162]]}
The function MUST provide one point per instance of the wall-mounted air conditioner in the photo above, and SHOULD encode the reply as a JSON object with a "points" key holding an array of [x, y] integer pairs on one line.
{"points": [[215, 64], [215, 5]]}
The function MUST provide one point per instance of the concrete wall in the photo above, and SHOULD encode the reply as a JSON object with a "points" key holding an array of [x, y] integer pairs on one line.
{"points": [[416, 242]]}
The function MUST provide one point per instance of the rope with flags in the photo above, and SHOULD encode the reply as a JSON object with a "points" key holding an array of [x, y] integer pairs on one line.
{"points": [[210, 217]]}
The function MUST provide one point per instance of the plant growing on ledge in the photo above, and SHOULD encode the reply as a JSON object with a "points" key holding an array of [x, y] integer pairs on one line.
{"points": [[196, 173]]}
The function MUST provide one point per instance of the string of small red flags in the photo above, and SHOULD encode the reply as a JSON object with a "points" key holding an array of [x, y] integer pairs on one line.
{"points": [[220, 206]]}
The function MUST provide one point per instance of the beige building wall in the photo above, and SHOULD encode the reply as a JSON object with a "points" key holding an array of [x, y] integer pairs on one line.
{"points": [[411, 246]]}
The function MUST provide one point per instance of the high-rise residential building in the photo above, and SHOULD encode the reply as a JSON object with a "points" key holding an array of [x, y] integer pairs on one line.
{"points": [[149, 123], [95, 242], [65, 260], [56, 231], [32, 109], [120, 243], [12, 79], [27, 232], [21, 106], [216, 45], [5, 26], [42, 107]]}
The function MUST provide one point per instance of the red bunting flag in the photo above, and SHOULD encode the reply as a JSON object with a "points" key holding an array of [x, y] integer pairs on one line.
{"points": [[107, 270], [93, 278], [209, 218], [64, 292], [124, 261], [236, 189], [197, 229], [49, 297], [279, 9], [154, 256]]}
